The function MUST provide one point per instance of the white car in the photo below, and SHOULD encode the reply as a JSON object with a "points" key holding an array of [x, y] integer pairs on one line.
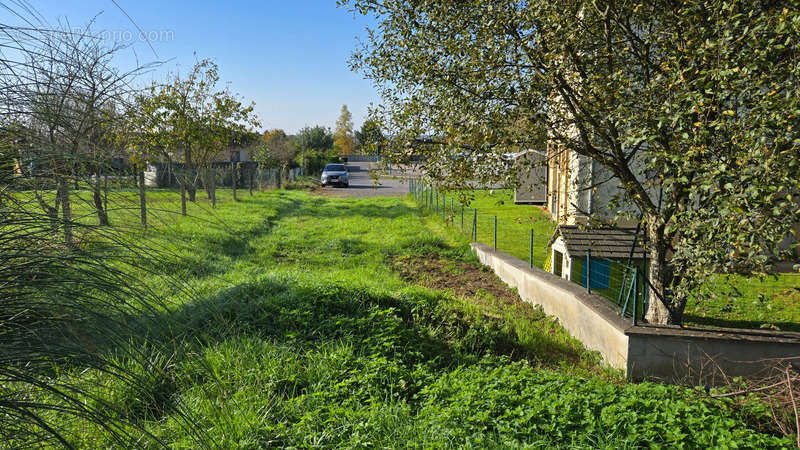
{"points": [[335, 174]]}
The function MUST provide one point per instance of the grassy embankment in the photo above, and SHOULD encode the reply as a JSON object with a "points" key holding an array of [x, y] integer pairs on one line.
{"points": [[733, 301], [306, 323]]}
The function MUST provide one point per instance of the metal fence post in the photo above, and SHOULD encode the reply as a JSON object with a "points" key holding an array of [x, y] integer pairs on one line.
{"points": [[645, 292], [530, 254], [495, 232], [635, 296], [589, 270], [462, 218], [474, 225]]}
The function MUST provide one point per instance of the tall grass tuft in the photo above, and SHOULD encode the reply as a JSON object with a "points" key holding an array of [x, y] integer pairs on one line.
{"points": [[81, 307]]}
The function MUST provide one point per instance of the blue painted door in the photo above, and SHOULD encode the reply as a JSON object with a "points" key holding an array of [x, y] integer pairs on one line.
{"points": [[601, 273]]}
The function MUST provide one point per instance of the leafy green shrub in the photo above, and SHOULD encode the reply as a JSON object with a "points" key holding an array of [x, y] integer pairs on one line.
{"points": [[425, 244], [512, 404]]}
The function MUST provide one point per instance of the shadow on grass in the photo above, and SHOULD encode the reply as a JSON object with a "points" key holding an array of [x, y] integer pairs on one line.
{"points": [[211, 241], [414, 325], [331, 209], [412, 329]]}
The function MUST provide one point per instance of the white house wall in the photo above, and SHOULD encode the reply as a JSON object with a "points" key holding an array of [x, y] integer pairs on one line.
{"points": [[590, 190]]}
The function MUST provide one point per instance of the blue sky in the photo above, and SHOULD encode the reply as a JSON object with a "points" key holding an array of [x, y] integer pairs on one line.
{"points": [[288, 57]]}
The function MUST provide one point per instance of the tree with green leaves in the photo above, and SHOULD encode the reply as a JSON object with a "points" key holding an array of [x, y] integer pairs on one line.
{"points": [[370, 139], [343, 140], [276, 150], [145, 138], [186, 119], [224, 119], [316, 148], [692, 106]]}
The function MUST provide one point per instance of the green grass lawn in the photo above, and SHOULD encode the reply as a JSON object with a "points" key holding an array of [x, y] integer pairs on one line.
{"points": [[514, 222], [296, 329], [771, 302]]}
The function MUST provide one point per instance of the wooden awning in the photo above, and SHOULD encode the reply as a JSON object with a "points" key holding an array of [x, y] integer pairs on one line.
{"points": [[613, 243]]}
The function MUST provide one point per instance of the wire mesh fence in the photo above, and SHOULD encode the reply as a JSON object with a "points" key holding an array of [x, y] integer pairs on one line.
{"points": [[728, 300], [621, 283], [247, 175]]}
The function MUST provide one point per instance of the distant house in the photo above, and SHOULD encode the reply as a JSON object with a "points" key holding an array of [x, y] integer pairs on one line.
{"points": [[573, 187], [571, 244], [579, 188]]}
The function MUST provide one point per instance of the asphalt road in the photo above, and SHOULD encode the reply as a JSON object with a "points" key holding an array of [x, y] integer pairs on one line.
{"points": [[362, 185]]}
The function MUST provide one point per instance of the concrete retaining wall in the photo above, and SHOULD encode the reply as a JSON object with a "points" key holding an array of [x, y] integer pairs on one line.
{"points": [[589, 318], [644, 352], [705, 356]]}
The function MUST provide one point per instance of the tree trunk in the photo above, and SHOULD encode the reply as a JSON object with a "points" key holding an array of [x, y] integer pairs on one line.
{"points": [[142, 200], [102, 215], [192, 179], [182, 181], [234, 173], [207, 182], [250, 180], [105, 190], [51, 211], [663, 307], [212, 184], [179, 178], [190, 185], [66, 209]]}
